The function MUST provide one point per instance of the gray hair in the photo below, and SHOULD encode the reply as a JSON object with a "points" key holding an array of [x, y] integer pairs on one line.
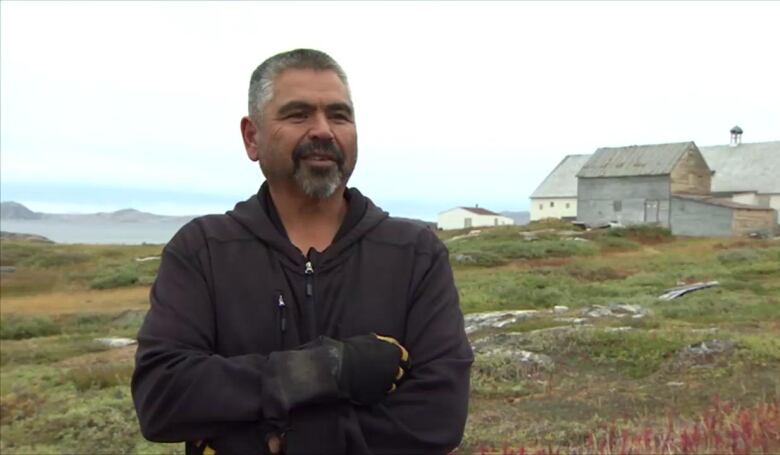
{"points": [[261, 84]]}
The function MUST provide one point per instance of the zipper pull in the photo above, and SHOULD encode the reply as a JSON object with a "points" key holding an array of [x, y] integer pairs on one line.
{"points": [[282, 315], [309, 269]]}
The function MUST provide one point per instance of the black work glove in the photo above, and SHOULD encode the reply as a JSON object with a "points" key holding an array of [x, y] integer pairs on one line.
{"points": [[362, 369], [371, 367]]}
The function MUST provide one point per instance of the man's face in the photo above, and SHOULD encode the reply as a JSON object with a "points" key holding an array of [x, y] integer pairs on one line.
{"points": [[307, 134]]}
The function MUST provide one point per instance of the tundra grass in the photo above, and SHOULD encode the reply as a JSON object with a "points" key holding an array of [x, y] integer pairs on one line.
{"points": [[61, 392]]}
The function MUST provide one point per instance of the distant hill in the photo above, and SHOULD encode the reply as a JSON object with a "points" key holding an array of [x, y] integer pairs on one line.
{"points": [[25, 237], [519, 217], [15, 211]]}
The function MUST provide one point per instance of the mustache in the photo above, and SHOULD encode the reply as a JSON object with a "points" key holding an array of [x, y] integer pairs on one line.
{"points": [[327, 149]]}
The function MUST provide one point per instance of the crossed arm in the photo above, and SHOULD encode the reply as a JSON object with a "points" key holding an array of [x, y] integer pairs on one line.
{"points": [[185, 392]]}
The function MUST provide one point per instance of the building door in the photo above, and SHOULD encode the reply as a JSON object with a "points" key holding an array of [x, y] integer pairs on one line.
{"points": [[467, 222], [651, 211]]}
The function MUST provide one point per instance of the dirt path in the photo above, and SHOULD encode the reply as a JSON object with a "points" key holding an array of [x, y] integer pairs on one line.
{"points": [[63, 302]]}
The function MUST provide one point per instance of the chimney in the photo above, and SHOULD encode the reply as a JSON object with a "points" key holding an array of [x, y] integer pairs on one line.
{"points": [[736, 136]]}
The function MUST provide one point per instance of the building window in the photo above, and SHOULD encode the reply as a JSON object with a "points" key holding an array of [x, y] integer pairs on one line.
{"points": [[552, 204], [541, 206], [467, 222], [617, 206], [567, 205]]}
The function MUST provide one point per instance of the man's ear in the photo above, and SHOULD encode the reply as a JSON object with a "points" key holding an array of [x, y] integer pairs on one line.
{"points": [[249, 135]]}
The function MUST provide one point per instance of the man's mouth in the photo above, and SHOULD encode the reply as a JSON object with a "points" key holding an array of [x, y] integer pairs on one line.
{"points": [[319, 158]]}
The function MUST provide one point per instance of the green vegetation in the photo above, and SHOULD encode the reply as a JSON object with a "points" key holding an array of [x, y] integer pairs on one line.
{"points": [[17, 326], [125, 276], [43, 267], [62, 392]]}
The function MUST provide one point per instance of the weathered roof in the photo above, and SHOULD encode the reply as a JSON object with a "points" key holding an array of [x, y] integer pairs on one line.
{"points": [[720, 202], [746, 167], [562, 181], [480, 211], [635, 160]]}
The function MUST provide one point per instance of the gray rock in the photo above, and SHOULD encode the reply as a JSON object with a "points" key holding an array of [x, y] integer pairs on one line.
{"points": [[560, 309], [514, 346], [495, 319], [464, 259], [576, 321], [708, 348], [116, 342], [7, 269], [618, 329], [703, 354], [615, 310], [526, 359]]}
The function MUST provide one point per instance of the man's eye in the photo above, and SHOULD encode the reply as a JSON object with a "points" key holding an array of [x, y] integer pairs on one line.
{"points": [[297, 116], [340, 117]]}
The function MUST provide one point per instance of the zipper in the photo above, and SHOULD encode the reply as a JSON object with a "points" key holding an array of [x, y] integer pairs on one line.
{"points": [[310, 300], [282, 317]]}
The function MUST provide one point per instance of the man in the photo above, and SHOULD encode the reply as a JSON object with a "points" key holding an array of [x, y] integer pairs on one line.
{"points": [[305, 320]]}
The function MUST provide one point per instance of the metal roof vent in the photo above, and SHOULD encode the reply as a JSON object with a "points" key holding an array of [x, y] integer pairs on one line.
{"points": [[736, 136]]}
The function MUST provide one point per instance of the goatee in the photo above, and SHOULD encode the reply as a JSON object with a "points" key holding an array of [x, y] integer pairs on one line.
{"points": [[319, 182]]}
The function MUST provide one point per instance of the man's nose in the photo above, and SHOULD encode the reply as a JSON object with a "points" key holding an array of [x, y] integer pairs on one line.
{"points": [[321, 127]]}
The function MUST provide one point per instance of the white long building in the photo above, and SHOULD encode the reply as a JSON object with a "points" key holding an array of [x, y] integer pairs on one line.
{"points": [[471, 217]]}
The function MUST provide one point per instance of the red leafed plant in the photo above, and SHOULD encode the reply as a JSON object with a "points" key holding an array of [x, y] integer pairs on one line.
{"points": [[724, 428]]}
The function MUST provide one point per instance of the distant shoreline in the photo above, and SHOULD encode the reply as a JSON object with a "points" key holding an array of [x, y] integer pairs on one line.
{"points": [[106, 232]]}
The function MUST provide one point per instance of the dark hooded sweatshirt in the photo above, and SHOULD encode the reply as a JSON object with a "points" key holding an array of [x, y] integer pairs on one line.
{"points": [[216, 315]]}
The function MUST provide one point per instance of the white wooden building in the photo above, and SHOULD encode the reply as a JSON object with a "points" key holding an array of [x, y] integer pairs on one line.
{"points": [[471, 217], [746, 173], [556, 196]]}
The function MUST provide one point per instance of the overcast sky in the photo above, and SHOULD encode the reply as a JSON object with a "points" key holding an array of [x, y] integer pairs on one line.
{"points": [[107, 105]]}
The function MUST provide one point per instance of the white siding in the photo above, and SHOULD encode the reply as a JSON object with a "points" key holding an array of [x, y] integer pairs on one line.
{"points": [[541, 208], [458, 219], [774, 202], [745, 198]]}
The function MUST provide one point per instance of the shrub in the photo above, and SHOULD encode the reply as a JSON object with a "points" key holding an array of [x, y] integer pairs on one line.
{"points": [[636, 354], [499, 374], [609, 242], [17, 327], [643, 233], [40, 351], [115, 279], [48, 259], [477, 258], [594, 274], [100, 376], [738, 256], [550, 223]]}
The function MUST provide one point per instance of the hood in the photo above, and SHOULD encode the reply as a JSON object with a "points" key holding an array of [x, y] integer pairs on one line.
{"points": [[253, 217]]}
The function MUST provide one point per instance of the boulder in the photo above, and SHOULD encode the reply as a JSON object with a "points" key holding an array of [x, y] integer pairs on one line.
{"points": [[703, 354], [511, 345], [615, 310], [495, 319]]}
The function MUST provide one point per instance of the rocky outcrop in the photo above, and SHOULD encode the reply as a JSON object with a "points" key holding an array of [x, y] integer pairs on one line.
{"points": [[513, 346], [615, 310], [495, 319]]}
